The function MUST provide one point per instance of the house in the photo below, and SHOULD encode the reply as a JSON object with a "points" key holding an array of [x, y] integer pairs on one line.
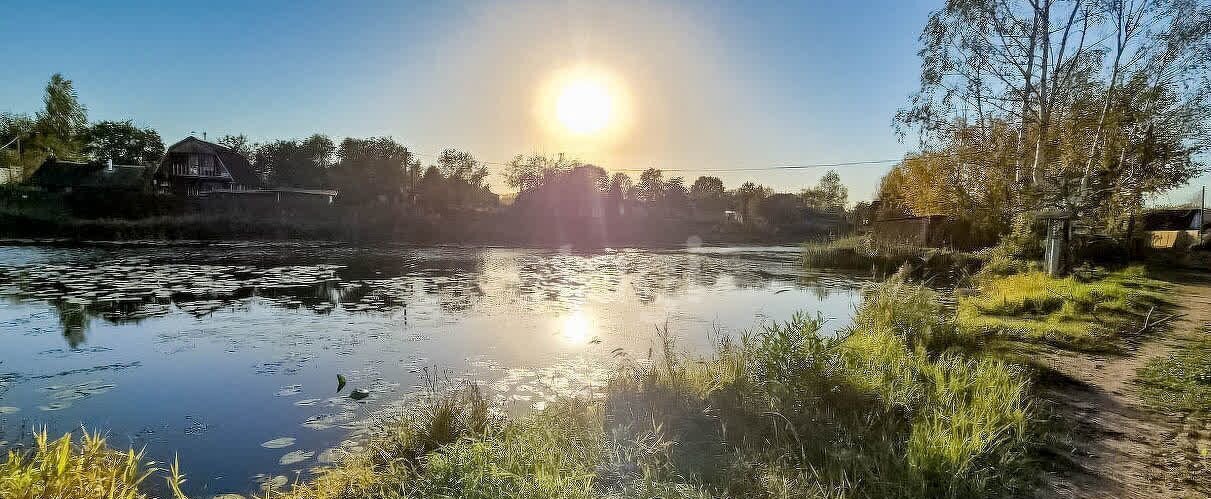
{"points": [[66, 177], [193, 167], [1174, 228], [222, 179]]}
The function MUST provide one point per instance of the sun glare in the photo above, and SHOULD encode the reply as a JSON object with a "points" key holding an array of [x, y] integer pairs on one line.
{"points": [[584, 106], [576, 328]]}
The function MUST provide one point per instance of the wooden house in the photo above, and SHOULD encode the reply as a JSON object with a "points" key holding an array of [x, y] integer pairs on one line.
{"points": [[194, 167]]}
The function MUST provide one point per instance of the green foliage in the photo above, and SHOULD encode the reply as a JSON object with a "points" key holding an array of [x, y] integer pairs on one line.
{"points": [[1180, 381], [1088, 312], [88, 469], [890, 408], [123, 142], [828, 195], [294, 163], [863, 252]]}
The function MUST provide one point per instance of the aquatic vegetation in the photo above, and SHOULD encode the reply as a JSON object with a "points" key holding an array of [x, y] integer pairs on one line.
{"points": [[888, 408], [1092, 310], [80, 468], [862, 252]]}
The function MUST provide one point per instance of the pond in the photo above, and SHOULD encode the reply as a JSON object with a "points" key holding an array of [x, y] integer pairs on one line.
{"points": [[227, 355]]}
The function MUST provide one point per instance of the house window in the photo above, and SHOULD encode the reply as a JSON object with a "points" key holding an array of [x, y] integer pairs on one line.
{"points": [[194, 159], [207, 168]]}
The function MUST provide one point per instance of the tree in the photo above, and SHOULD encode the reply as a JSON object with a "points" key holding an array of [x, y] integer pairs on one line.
{"points": [[781, 209], [748, 199], [239, 143], [376, 169], [828, 195], [63, 118], [707, 188], [55, 130], [676, 198], [530, 172], [650, 188], [295, 163], [1086, 105], [122, 142], [459, 165]]}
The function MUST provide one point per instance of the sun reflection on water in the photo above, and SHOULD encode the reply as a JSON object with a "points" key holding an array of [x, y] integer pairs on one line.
{"points": [[576, 328]]}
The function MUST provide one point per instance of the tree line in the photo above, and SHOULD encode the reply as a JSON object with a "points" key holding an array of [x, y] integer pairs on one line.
{"points": [[1086, 106], [381, 171]]}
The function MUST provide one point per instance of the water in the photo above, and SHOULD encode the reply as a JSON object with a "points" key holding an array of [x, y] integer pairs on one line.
{"points": [[227, 354]]}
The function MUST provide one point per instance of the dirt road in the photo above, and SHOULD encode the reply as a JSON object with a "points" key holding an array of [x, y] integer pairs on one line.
{"points": [[1112, 445]]}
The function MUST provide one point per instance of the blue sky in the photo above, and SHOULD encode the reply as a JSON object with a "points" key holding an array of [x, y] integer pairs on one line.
{"points": [[712, 85]]}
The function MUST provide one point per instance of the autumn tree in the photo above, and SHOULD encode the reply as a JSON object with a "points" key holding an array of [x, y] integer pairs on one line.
{"points": [[1086, 105]]}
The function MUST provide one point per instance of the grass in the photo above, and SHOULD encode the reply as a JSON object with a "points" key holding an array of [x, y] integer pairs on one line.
{"points": [[87, 468], [1180, 381], [862, 252], [891, 408], [1089, 311]]}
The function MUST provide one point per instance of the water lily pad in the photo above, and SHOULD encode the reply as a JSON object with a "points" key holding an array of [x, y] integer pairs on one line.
{"points": [[297, 456], [328, 456], [278, 443], [287, 391], [274, 483]]}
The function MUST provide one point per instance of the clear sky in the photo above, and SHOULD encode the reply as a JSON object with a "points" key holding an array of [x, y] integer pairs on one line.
{"points": [[705, 84]]}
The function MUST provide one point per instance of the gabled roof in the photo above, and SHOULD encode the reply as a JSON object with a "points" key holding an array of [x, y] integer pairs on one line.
{"points": [[237, 165], [60, 174]]}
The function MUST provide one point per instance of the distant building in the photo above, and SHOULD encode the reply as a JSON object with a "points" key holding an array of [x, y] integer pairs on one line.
{"points": [[193, 167], [223, 179], [929, 231], [65, 176], [1174, 228]]}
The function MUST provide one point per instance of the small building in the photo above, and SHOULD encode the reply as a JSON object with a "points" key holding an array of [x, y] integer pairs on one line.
{"points": [[927, 231], [1174, 228], [66, 176], [193, 167]]}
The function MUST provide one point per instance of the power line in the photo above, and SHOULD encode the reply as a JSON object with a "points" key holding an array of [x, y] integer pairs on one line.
{"points": [[803, 166]]}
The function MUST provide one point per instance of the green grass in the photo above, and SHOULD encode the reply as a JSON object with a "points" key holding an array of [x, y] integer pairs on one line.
{"points": [[84, 469], [1091, 311], [862, 252], [1181, 381], [891, 408]]}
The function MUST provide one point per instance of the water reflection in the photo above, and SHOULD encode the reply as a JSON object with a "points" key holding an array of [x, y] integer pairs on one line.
{"points": [[576, 329], [178, 348]]}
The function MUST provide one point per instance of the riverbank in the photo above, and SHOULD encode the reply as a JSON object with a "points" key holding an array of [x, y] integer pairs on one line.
{"points": [[993, 396]]}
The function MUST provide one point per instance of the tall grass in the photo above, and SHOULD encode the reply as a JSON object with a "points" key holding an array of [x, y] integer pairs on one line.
{"points": [[863, 252], [1091, 310], [891, 407], [87, 469]]}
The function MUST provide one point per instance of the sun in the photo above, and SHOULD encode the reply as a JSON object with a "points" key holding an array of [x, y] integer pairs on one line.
{"points": [[585, 105]]}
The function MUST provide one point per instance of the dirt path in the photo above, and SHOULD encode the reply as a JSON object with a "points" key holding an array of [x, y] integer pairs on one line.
{"points": [[1115, 447]]}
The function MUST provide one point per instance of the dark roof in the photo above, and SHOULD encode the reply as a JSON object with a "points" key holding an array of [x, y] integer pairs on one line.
{"points": [[1172, 219], [60, 174], [237, 165]]}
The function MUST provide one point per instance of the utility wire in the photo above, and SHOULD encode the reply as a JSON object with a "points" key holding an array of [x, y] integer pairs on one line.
{"points": [[803, 166]]}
